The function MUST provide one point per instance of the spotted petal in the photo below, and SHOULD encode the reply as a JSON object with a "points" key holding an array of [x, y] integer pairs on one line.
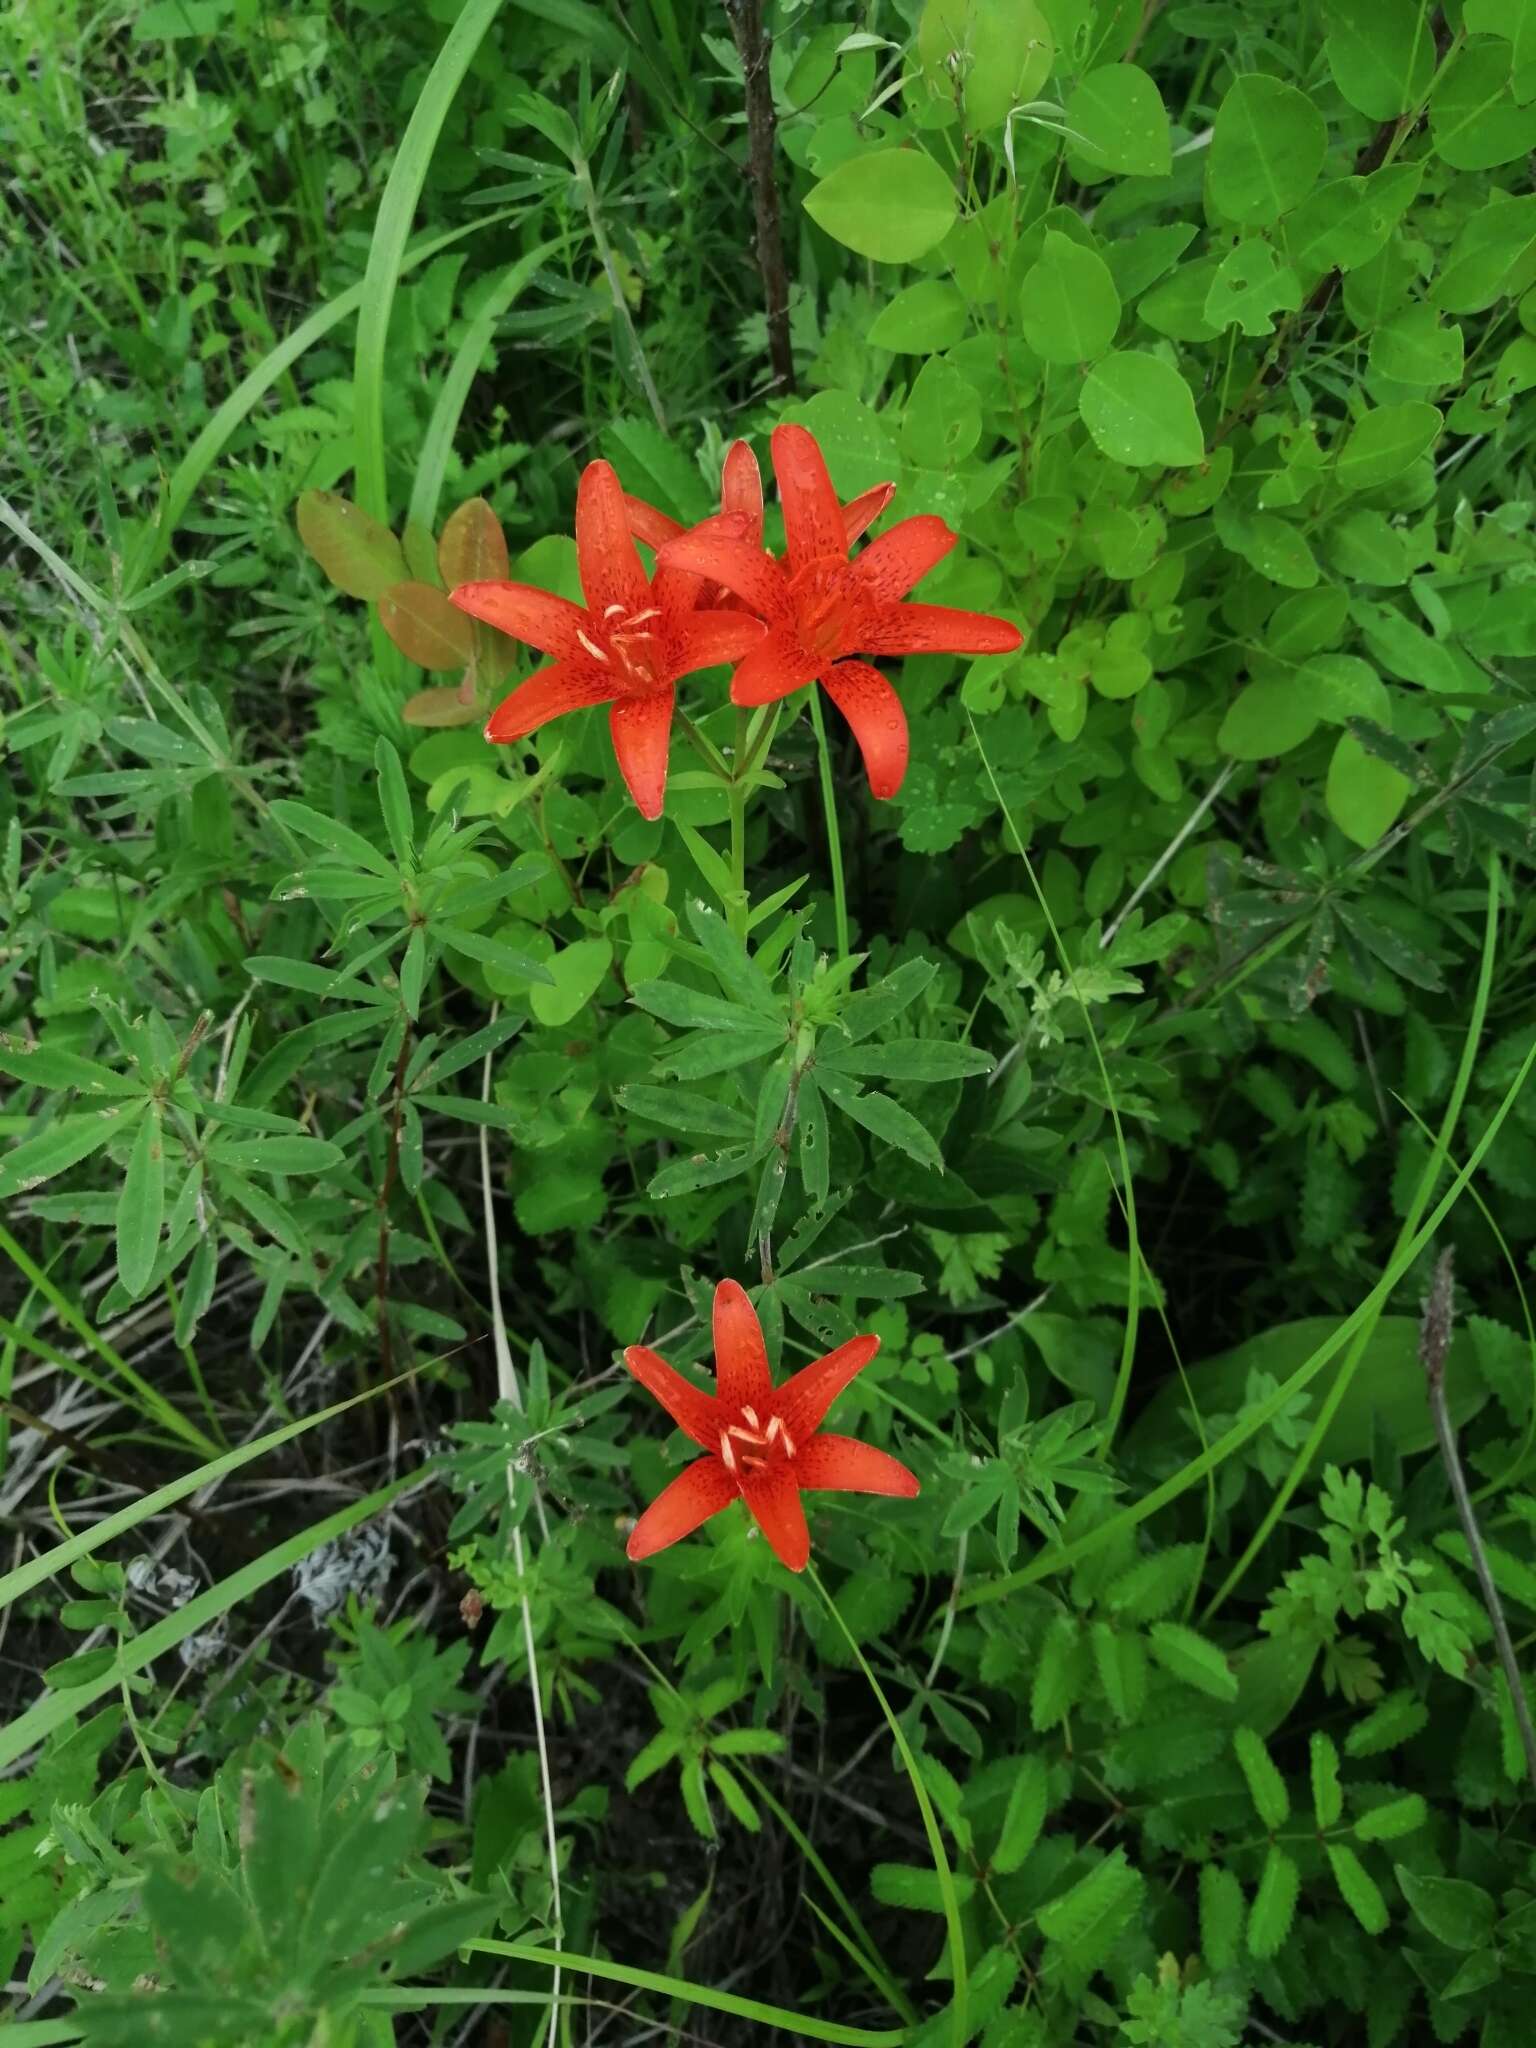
{"points": [[873, 709], [774, 1501], [536, 617], [705, 639], [695, 1412], [805, 1399], [741, 489], [813, 519], [717, 549], [568, 686], [742, 1378], [860, 513], [702, 1489], [642, 737], [647, 524], [841, 1464], [611, 575], [938, 629], [897, 560], [777, 665]]}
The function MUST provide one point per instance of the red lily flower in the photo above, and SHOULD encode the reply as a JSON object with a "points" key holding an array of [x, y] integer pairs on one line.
{"points": [[741, 496], [764, 1444], [821, 608], [627, 648]]}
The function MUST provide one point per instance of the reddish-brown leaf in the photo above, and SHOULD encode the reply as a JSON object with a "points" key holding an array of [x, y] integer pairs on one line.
{"points": [[473, 548], [357, 554], [425, 626]]}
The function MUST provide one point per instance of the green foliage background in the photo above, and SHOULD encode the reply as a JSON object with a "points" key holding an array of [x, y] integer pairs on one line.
{"points": [[368, 1089]]}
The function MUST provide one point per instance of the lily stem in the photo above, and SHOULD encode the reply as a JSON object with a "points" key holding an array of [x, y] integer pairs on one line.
{"points": [[736, 790], [936, 1850], [834, 835]]}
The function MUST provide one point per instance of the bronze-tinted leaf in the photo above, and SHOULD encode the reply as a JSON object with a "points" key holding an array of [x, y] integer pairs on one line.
{"points": [[425, 626], [473, 548], [359, 556], [439, 708]]}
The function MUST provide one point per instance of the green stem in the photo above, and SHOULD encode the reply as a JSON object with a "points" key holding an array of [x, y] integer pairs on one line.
{"points": [[736, 792], [834, 836], [956, 1933]]}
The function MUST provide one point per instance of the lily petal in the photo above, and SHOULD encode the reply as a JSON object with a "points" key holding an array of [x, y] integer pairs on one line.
{"points": [[860, 513], [741, 489], [777, 665], [805, 1399], [774, 1501], [647, 524], [938, 629], [568, 686], [695, 1412], [742, 1378], [642, 737], [716, 549], [896, 561], [702, 1489], [841, 1464], [611, 574], [536, 617], [813, 519], [705, 639], [873, 709]]}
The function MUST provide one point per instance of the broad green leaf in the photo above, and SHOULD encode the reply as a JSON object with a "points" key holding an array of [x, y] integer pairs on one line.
{"points": [[141, 1206], [1493, 255], [1346, 222], [359, 555], [575, 975], [1068, 306], [1250, 287], [926, 317], [1364, 794], [1515, 21], [1266, 150], [1476, 122], [1115, 117], [1265, 719], [892, 205], [942, 422], [1457, 1913], [997, 52], [1418, 347], [1141, 412], [1381, 53], [1386, 442]]}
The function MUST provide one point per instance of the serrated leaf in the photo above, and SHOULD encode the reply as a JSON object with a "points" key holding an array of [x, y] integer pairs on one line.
{"points": [[1188, 1656], [1327, 1796], [1265, 1784], [1223, 1911], [1389, 1823], [1087, 1921], [1274, 1904], [1024, 1815], [1358, 1889]]}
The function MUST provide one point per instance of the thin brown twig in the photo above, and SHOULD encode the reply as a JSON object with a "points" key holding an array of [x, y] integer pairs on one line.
{"points": [[1434, 1344], [753, 47]]}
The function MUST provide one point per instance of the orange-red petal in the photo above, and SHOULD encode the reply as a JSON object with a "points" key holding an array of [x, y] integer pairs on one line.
{"points": [[716, 549], [813, 519], [647, 524], [704, 639], [774, 1501], [777, 665], [742, 1378], [805, 1399], [841, 1464], [700, 1490], [897, 560], [873, 709], [611, 575], [938, 629], [860, 513], [741, 489], [536, 617], [642, 738], [695, 1412], [568, 686]]}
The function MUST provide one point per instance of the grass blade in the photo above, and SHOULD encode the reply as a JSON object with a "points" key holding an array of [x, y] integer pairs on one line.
{"points": [[386, 255]]}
